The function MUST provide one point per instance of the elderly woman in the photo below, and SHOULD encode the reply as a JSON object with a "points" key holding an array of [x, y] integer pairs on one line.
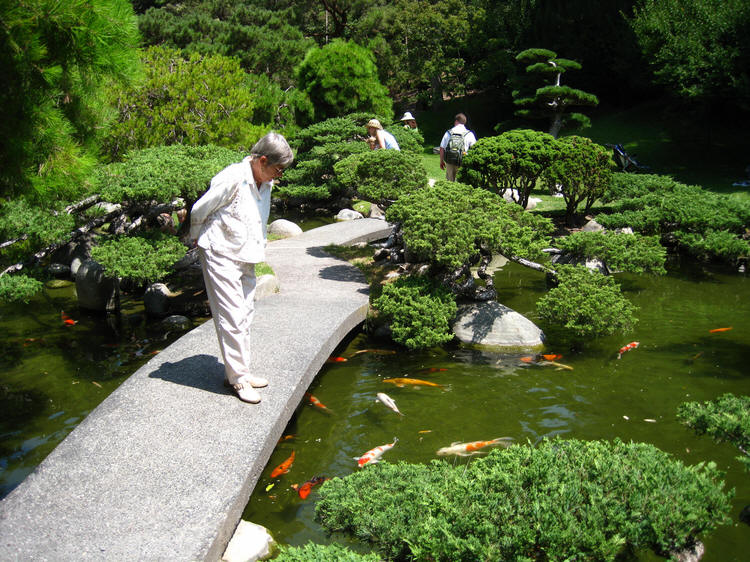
{"points": [[382, 138], [229, 225]]}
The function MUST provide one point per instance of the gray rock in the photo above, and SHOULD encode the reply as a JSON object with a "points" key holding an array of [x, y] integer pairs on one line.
{"points": [[376, 212], [693, 554], [592, 226], [156, 300], [249, 543], [592, 264], [95, 290], [266, 285], [59, 270], [284, 228], [176, 322], [493, 324], [348, 215]]}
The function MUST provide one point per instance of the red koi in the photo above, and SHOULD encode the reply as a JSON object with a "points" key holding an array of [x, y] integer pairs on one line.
{"points": [[552, 356], [336, 360], [624, 348], [715, 330], [283, 468], [527, 359], [373, 455], [303, 490], [317, 403], [67, 320], [432, 370]]}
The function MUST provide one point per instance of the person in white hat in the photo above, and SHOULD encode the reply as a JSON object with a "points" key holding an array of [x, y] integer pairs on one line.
{"points": [[409, 121]]}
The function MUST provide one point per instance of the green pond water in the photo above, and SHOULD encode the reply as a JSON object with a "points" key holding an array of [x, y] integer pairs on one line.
{"points": [[492, 395], [52, 375]]}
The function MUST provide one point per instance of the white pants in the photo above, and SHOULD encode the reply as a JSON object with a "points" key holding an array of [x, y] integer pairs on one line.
{"points": [[230, 286]]}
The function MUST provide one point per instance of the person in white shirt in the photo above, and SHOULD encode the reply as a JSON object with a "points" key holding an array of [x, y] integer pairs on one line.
{"points": [[382, 138], [228, 223], [469, 139]]}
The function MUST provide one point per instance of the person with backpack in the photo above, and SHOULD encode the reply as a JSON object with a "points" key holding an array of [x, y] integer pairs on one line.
{"points": [[456, 142]]}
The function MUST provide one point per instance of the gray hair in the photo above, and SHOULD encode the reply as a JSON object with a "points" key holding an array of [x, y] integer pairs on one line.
{"points": [[275, 148]]}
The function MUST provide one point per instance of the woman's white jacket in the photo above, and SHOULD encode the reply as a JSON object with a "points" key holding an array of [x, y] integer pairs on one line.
{"points": [[230, 219]]}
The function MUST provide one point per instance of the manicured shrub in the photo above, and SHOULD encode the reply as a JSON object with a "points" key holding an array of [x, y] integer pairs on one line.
{"points": [[196, 100], [581, 170], [419, 310], [726, 419], [625, 186], [619, 252], [41, 226], [163, 173], [586, 304], [446, 224], [139, 258], [409, 140], [512, 161], [18, 288], [561, 500], [323, 553], [381, 176]]}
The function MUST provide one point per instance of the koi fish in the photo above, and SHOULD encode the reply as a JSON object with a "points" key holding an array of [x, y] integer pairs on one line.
{"points": [[336, 360], [402, 381], [303, 490], [560, 366], [378, 351], [473, 447], [624, 348], [715, 330], [373, 455], [317, 403], [527, 359], [287, 438], [67, 320], [432, 370], [552, 356], [283, 468], [388, 401]]}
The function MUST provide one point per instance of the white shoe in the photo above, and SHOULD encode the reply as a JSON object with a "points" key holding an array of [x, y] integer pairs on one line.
{"points": [[246, 392], [255, 382]]}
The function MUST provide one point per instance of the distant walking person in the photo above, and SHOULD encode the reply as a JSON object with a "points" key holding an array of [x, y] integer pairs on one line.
{"points": [[454, 145], [229, 225], [380, 137]]}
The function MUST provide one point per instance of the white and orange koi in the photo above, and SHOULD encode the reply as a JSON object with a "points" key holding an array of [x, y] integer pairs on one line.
{"points": [[373, 455], [624, 348], [473, 447]]}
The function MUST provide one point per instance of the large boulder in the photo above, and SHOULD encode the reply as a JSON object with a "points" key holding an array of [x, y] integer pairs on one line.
{"points": [[284, 228], [495, 325], [95, 290], [249, 543], [348, 215]]}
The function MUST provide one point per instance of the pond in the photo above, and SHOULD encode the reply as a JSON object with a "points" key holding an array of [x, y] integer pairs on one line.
{"points": [[488, 395], [53, 374]]}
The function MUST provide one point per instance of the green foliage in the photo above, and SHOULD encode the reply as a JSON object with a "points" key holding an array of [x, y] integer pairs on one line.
{"points": [[264, 40], [420, 311], [408, 139], [42, 226], [340, 78], [513, 160], [563, 500], [57, 60], [322, 553], [726, 419], [318, 148], [554, 101], [163, 173], [582, 170], [697, 48], [140, 258], [196, 100], [586, 304], [706, 224], [446, 224], [619, 252], [381, 176], [18, 288]]}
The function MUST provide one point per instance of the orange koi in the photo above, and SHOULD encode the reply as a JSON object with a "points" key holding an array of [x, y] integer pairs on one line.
{"points": [[336, 360], [373, 455], [317, 403], [287, 437], [716, 330], [67, 320], [527, 359], [624, 348], [432, 370], [552, 356], [303, 490], [403, 381], [283, 468], [473, 447]]}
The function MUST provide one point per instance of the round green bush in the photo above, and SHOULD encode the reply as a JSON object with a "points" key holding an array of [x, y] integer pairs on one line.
{"points": [[140, 258]]}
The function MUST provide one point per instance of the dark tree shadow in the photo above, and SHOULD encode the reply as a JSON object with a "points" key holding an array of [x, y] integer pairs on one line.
{"points": [[203, 372]]}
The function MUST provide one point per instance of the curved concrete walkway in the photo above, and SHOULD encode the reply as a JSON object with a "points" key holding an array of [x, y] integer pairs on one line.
{"points": [[163, 468]]}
